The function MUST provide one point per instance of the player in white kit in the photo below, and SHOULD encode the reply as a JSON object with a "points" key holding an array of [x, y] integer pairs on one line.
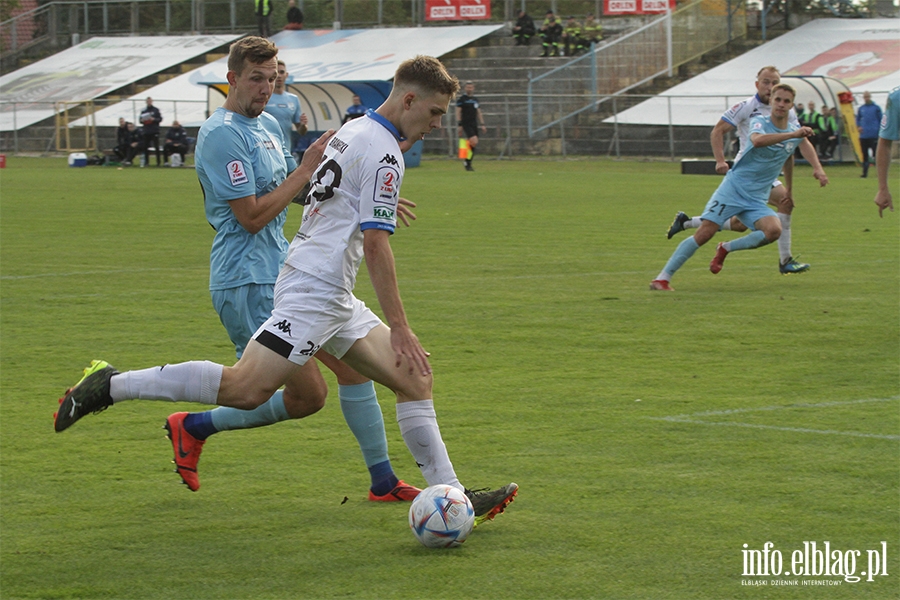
{"points": [[738, 118], [352, 213]]}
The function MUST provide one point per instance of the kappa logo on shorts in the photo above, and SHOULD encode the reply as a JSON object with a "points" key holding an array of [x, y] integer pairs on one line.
{"points": [[237, 173], [284, 326]]}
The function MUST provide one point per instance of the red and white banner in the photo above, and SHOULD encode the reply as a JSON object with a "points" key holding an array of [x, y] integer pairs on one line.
{"points": [[636, 7], [457, 10]]}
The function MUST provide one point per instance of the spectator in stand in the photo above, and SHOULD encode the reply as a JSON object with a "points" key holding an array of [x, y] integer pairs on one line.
{"points": [[868, 120], [814, 121], [800, 110], [551, 33], [830, 132], [523, 29], [801, 113], [176, 145], [573, 43], [122, 140], [263, 9], [355, 111], [591, 31], [294, 16], [133, 143], [150, 119]]}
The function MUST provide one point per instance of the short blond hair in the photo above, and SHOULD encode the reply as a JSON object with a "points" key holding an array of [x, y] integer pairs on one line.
{"points": [[768, 68], [251, 49], [426, 73], [785, 87]]}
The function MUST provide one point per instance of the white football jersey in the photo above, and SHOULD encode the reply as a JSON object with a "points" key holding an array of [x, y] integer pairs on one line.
{"points": [[356, 187], [739, 117]]}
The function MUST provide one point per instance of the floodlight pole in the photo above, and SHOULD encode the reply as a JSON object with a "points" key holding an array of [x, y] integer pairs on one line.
{"points": [[669, 36]]}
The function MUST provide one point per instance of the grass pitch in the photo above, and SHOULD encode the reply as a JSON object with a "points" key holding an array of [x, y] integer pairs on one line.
{"points": [[653, 435]]}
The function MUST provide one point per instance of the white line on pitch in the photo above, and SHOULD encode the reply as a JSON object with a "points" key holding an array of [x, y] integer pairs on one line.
{"points": [[692, 418]]}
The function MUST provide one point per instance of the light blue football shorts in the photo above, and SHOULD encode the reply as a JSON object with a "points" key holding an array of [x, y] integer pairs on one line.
{"points": [[242, 310]]}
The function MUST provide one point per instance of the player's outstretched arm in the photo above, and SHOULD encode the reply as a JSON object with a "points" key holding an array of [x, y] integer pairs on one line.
{"points": [[761, 140], [808, 151], [717, 141], [380, 263], [883, 198]]}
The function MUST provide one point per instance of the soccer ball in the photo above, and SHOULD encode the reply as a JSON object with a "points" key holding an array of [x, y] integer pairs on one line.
{"points": [[441, 516]]}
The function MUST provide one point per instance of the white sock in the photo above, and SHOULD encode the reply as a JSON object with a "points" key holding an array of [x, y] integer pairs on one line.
{"points": [[726, 226], [195, 381], [693, 223], [419, 428], [784, 242]]}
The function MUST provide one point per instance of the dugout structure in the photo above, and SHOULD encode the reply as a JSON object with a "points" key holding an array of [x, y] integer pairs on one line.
{"points": [[75, 137]]}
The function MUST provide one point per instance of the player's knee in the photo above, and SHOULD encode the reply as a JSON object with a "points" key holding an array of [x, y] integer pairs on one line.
{"points": [[415, 387], [773, 232], [305, 402], [705, 232]]}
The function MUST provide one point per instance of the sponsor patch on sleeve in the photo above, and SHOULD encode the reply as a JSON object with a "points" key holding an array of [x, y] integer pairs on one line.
{"points": [[237, 173], [388, 186]]}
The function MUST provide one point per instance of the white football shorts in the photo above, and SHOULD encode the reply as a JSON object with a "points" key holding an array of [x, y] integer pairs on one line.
{"points": [[310, 314]]}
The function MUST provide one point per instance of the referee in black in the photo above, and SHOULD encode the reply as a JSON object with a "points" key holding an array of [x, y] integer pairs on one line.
{"points": [[469, 119]]}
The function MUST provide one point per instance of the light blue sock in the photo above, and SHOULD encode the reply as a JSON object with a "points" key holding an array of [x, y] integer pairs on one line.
{"points": [[684, 251], [751, 240], [272, 411], [359, 403]]}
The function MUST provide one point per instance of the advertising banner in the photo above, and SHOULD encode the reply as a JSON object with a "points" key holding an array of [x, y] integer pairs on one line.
{"points": [[636, 7], [457, 10]]}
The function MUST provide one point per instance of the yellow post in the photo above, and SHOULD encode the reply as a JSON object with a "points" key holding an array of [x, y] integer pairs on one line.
{"points": [[850, 130]]}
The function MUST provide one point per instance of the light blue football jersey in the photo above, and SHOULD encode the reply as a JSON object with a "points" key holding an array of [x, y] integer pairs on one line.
{"points": [[286, 110], [890, 120], [753, 174], [236, 157]]}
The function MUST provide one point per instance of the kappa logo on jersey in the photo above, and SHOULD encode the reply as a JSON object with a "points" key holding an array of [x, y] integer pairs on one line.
{"points": [[237, 173], [284, 326], [389, 159]]}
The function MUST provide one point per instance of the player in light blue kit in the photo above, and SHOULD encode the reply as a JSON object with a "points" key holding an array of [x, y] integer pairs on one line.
{"points": [[888, 133], [745, 190], [351, 215], [242, 160], [285, 107]]}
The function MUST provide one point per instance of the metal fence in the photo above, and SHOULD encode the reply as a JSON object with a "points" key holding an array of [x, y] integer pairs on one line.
{"points": [[60, 23], [594, 133], [604, 132], [45, 137], [632, 60]]}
